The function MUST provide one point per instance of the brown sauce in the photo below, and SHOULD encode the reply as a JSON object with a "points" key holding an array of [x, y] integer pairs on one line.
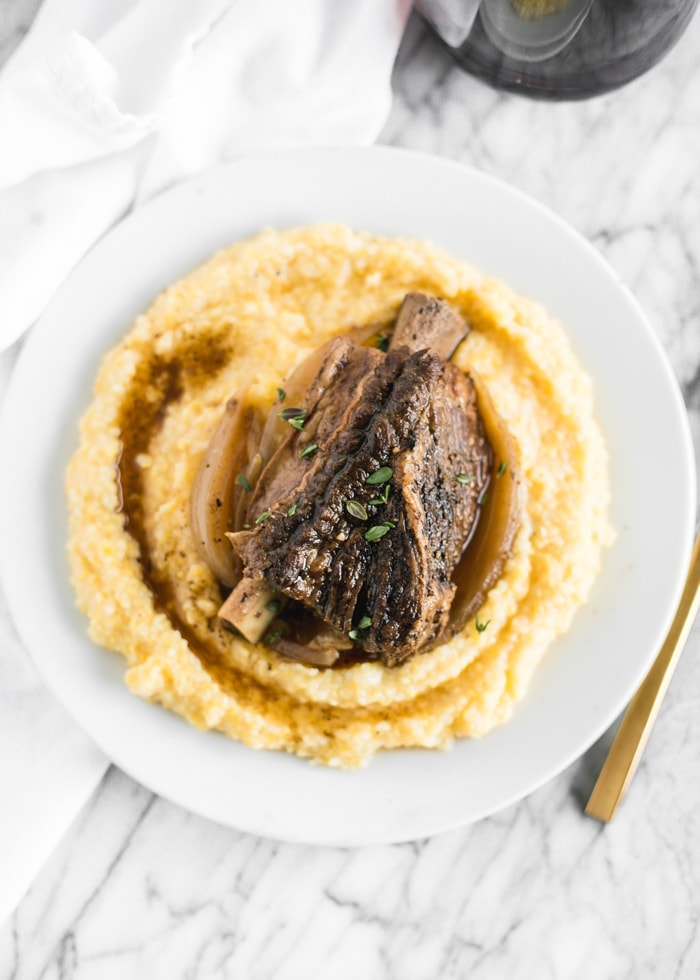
{"points": [[158, 385]]}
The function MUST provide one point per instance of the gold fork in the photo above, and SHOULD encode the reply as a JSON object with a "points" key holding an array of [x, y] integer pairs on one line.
{"points": [[635, 728]]}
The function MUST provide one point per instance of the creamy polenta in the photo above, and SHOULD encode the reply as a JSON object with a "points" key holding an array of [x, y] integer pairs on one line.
{"points": [[247, 317]]}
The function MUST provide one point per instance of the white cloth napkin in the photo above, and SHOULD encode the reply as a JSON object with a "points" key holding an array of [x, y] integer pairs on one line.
{"points": [[101, 107]]}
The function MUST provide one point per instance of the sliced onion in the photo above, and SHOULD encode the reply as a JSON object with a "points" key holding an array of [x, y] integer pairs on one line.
{"points": [[215, 489], [491, 543], [242, 497], [316, 644], [291, 650], [327, 638], [367, 336], [297, 384]]}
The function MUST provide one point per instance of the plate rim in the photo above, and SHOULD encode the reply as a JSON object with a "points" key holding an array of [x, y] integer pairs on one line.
{"points": [[394, 153]]}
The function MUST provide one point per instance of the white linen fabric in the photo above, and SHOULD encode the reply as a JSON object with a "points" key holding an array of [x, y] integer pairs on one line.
{"points": [[101, 107]]}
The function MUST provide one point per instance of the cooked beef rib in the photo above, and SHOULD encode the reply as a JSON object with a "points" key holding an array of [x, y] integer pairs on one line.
{"points": [[425, 321], [364, 510]]}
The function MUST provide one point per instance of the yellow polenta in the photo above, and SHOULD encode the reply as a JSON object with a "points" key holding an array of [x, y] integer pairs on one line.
{"points": [[265, 304]]}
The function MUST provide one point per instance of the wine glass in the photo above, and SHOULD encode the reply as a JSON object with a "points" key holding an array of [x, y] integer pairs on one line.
{"points": [[558, 49]]}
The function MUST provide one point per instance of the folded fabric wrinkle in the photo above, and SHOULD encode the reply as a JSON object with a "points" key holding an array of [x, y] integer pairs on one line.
{"points": [[205, 81]]}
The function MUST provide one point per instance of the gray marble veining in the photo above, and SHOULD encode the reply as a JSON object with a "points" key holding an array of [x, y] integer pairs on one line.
{"points": [[140, 888]]}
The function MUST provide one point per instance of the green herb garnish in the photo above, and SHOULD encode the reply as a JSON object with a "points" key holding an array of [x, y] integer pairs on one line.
{"points": [[383, 496], [356, 509], [307, 450], [464, 478], [480, 627], [376, 532], [295, 416], [502, 468], [274, 635], [292, 510], [483, 498], [262, 517], [381, 341], [244, 483], [382, 475], [274, 606], [364, 624], [281, 394]]}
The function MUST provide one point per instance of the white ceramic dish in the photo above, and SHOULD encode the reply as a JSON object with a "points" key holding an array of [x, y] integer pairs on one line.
{"points": [[587, 676]]}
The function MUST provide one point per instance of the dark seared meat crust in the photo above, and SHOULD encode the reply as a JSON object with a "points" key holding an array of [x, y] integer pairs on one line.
{"points": [[417, 415]]}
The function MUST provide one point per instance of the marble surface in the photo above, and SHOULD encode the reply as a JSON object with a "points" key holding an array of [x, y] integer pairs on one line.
{"points": [[140, 888]]}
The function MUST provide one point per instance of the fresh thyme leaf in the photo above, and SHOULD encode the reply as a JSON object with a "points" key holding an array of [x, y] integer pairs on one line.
{"points": [[295, 416], [376, 532], [382, 475], [502, 468], [292, 510], [364, 623], [274, 635], [480, 627], [483, 498], [274, 606], [383, 496], [281, 394], [389, 524], [353, 634], [307, 450], [382, 341], [262, 517], [356, 509], [244, 483], [464, 478]]}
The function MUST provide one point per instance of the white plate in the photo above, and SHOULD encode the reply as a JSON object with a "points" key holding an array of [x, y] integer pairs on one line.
{"points": [[586, 678]]}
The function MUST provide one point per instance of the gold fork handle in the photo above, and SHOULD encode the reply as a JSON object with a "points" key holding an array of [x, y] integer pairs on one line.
{"points": [[635, 728]]}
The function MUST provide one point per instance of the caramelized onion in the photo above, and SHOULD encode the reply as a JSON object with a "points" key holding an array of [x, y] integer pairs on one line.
{"points": [[325, 637], [295, 387], [371, 334], [316, 644], [301, 653], [491, 541], [216, 488], [241, 496]]}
